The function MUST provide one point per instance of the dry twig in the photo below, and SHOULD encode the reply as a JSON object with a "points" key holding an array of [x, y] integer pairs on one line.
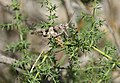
{"points": [[6, 60]]}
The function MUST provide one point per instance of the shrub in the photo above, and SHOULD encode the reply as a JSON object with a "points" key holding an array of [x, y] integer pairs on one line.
{"points": [[44, 68]]}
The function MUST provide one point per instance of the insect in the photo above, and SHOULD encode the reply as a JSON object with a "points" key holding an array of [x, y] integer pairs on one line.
{"points": [[55, 31]]}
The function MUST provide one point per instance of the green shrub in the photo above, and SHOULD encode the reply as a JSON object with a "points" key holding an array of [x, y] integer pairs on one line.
{"points": [[44, 68]]}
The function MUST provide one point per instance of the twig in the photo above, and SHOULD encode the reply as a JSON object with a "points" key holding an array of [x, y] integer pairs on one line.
{"points": [[107, 56], [7, 60], [36, 62], [70, 12], [82, 7]]}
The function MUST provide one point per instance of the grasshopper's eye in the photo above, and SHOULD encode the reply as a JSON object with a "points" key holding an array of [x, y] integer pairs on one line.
{"points": [[66, 26], [61, 26]]}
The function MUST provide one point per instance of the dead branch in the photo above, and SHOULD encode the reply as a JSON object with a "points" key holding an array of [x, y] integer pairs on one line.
{"points": [[7, 60], [82, 7], [70, 12]]}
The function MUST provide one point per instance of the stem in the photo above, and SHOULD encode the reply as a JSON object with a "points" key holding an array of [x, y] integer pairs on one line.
{"points": [[107, 56], [99, 81], [45, 56], [35, 62]]}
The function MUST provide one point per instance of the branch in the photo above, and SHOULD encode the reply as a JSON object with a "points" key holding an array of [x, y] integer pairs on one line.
{"points": [[70, 12], [79, 4], [7, 60]]}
